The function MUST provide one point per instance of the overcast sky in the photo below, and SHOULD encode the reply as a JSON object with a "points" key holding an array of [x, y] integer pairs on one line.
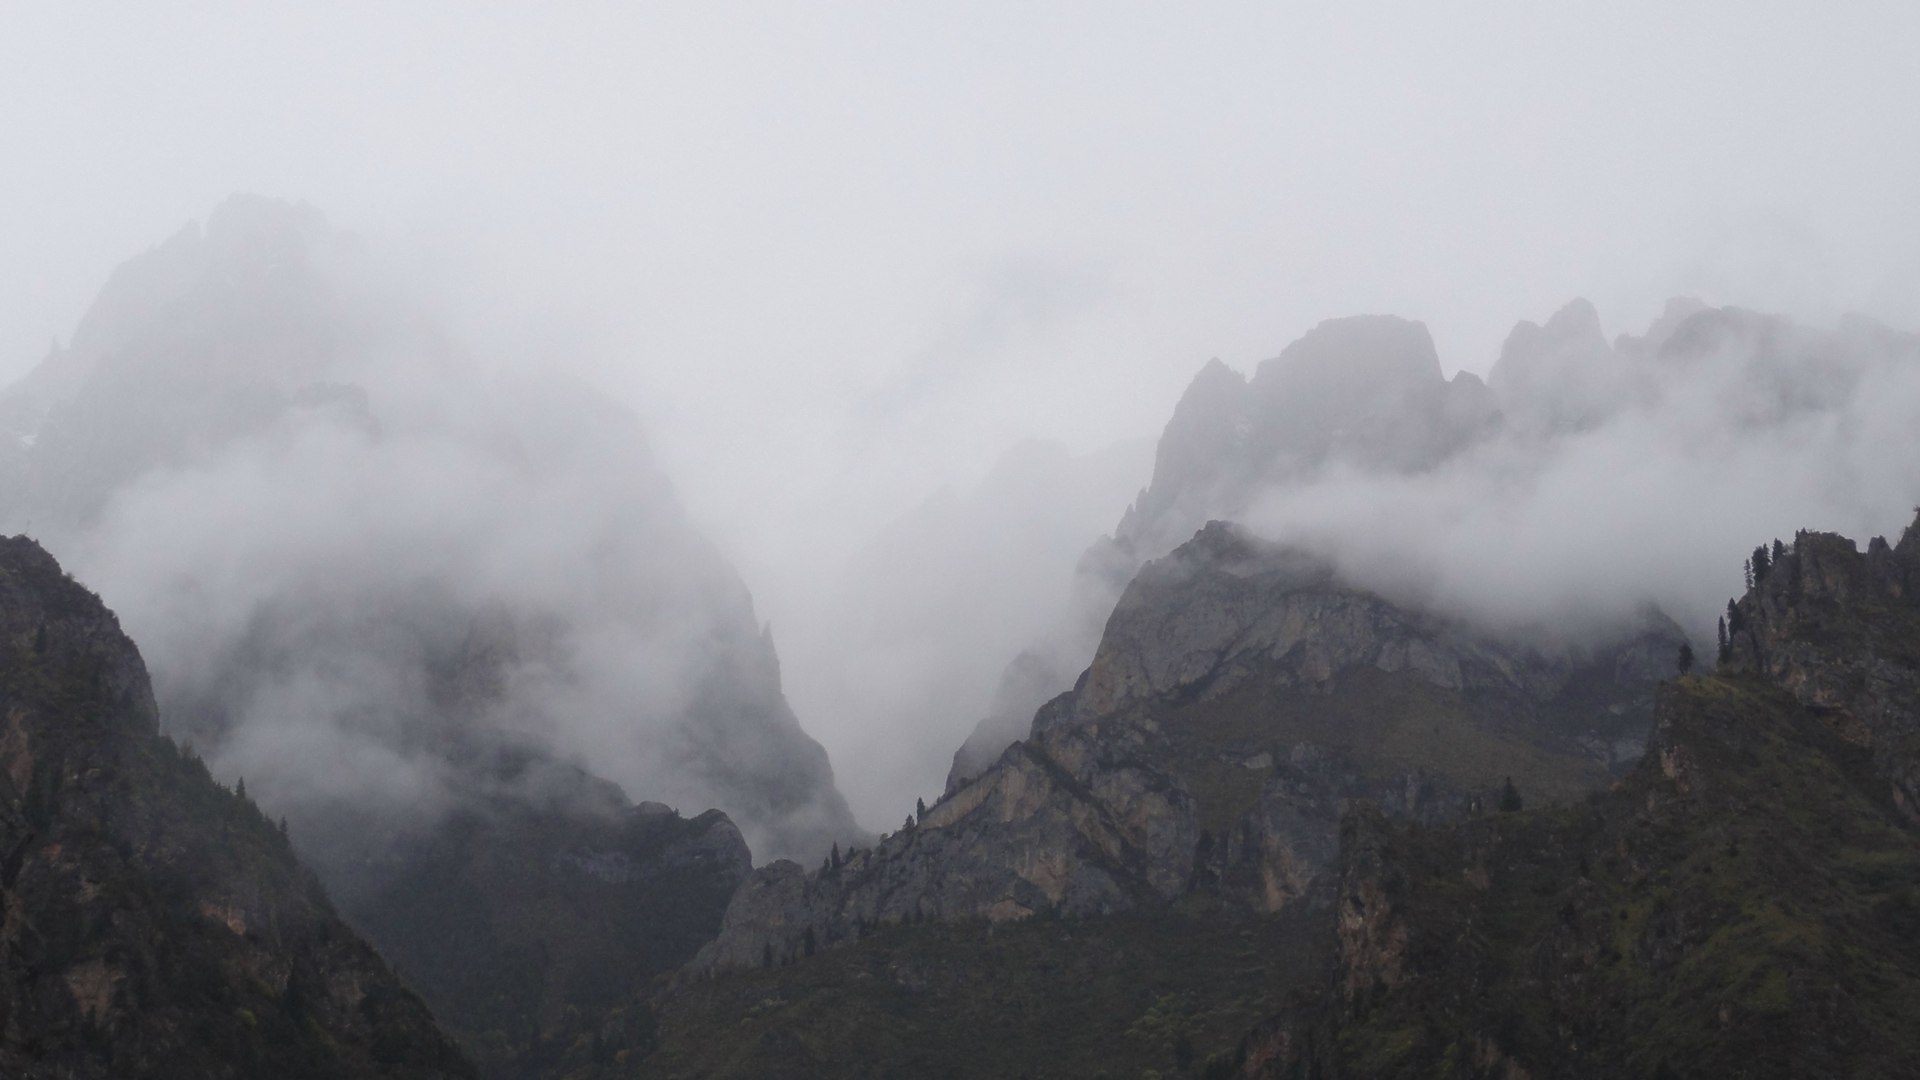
{"points": [[838, 255]]}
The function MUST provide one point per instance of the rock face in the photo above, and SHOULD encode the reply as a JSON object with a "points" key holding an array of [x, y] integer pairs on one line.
{"points": [[1744, 903], [1242, 697], [1840, 631], [153, 922], [1363, 392]]}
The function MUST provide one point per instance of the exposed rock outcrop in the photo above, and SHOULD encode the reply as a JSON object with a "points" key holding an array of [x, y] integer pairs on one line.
{"points": [[153, 922], [1242, 697], [1840, 630]]}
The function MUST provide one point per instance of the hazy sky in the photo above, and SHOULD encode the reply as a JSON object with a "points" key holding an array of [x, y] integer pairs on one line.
{"points": [[838, 255]]}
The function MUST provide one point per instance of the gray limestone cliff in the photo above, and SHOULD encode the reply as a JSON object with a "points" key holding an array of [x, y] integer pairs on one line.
{"points": [[1241, 698]]}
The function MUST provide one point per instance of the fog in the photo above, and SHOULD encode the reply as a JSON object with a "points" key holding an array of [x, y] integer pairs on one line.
{"points": [[845, 262], [1649, 470]]}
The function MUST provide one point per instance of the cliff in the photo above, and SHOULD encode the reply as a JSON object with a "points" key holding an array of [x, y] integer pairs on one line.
{"points": [[153, 922], [1840, 631], [1242, 697]]}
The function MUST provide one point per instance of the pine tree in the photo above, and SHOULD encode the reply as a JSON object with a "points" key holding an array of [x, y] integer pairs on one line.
{"points": [[908, 827], [1760, 565], [1686, 657], [833, 858], [1726, 643], [240, 789], [1510, 798], [920, 808]]}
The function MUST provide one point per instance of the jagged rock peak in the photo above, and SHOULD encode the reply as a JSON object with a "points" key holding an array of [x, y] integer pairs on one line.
{"points": [[1361, 355]]}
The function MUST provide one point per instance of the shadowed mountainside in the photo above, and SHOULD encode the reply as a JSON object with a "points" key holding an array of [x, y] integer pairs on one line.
{"points": [[154, 922]]}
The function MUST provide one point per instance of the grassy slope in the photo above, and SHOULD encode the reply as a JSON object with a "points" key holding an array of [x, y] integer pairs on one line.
{"points": [[1385, 723], [1040, 998]]}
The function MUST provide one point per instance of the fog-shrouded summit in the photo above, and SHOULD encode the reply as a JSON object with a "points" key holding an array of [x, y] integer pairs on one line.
{"points": [[379, 580], [1582, 481]]}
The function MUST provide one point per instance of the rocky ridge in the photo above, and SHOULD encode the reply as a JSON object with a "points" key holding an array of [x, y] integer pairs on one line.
{"points": [[1840, 631], [1241, 698], [153, 922]]}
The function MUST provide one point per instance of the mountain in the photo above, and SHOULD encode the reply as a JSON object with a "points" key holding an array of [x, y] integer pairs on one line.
{"points": [[1365, 391], [1746, 903], [447, 619], [1242, 694], [153, 922], [1352, 436]]}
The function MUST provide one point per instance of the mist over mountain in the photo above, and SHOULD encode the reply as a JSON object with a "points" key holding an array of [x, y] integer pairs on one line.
{"points": [[906, 642], [1581, 483], [379, 580]]}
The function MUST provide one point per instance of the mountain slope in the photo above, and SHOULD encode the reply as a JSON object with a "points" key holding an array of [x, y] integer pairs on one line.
{"points": [[154, 922], [445, 621], [1242, 696], [1746, 903]]}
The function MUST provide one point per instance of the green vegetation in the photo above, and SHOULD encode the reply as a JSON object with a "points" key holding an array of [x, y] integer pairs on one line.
{"points": [[1044, 997], [1756, 915], [1386, 723]]}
